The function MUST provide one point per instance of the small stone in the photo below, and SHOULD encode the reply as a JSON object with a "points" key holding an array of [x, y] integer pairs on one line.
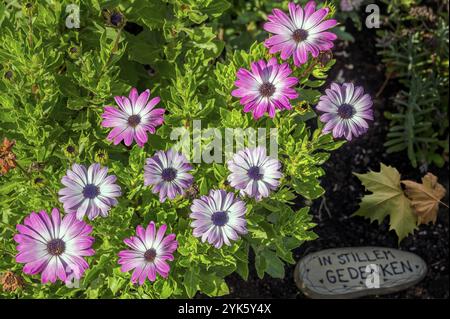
{"points": [[344, 273]]}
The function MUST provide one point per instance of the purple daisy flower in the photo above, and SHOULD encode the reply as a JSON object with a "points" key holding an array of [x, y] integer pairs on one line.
{"points": [[133, 118], [301, 32], [254, 173], [266, 88], [347, 110], [218, 218], [168, 173], [89, 191], [148, 254], [54, 247]]}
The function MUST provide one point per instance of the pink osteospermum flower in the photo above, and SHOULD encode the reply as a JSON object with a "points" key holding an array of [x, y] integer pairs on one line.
{"points": [[135, 117], [54, 247], [303, 31], [266, 88], [346, 110], [149, 251]]}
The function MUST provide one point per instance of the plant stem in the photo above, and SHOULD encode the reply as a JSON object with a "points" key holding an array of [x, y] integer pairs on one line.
{"points": [[309, 69], [388, 77], [30, 30], [92, 94], [114, 48]]}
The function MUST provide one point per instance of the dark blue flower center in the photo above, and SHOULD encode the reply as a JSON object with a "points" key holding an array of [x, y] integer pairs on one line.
{"points": [[56, 247], [219, 218], [134, 120], [70, 149], [254, 173], [38, 180], [150, 255], [267, 89], [169, 174], [91, 191], [299, 35], [346, 111], [116, 18]]}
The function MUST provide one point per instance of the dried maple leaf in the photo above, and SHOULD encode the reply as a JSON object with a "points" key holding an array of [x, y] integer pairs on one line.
{"points": [[387, 198], [425, 197]]}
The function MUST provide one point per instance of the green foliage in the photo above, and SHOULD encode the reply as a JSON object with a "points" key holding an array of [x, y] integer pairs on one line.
{"points": [[414, 48], [56, 95]]}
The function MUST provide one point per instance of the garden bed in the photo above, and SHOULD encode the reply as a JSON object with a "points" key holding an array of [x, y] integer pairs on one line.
{"points": [[66, 130], [335, 226]]}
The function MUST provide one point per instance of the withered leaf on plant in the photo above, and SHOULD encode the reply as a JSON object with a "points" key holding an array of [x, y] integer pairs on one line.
{"points": [[7, 157], [425, 197]]}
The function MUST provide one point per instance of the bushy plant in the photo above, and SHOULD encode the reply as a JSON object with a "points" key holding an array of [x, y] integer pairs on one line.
{"points": [[414, 48], [55, 83]]}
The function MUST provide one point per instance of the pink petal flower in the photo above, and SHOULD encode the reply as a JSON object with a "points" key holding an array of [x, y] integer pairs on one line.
{"points": [[266, 88], [299, 33], [135, 117]]}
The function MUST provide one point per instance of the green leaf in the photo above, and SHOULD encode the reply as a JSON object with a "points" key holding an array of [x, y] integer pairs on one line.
{"points": [[387, 199], [309, 95], [76, 103], [309, 188], [260, 265], [275, 267], [217, 7], [191, 280]]}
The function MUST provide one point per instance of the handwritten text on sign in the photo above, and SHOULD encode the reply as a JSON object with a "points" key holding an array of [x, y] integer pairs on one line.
{"points": [[344, 266]]}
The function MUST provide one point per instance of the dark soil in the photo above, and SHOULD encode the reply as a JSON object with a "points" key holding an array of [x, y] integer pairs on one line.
{"points": [[358, 62]]}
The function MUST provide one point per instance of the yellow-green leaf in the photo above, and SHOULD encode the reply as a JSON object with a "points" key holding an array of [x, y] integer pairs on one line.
{"points": [[387, 198]]}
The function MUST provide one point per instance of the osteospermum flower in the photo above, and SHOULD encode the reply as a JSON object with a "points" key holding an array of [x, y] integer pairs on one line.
{"points": [[254, 173], [266, 88], [135, 117], [168, 173], [89, 191], [218, 218], [347, 110], [149, 251], [301, 32], [54, 247]]}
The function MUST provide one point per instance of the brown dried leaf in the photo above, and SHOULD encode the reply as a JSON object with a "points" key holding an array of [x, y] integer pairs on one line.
{"points": [[7, 157], [425, 197]]}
